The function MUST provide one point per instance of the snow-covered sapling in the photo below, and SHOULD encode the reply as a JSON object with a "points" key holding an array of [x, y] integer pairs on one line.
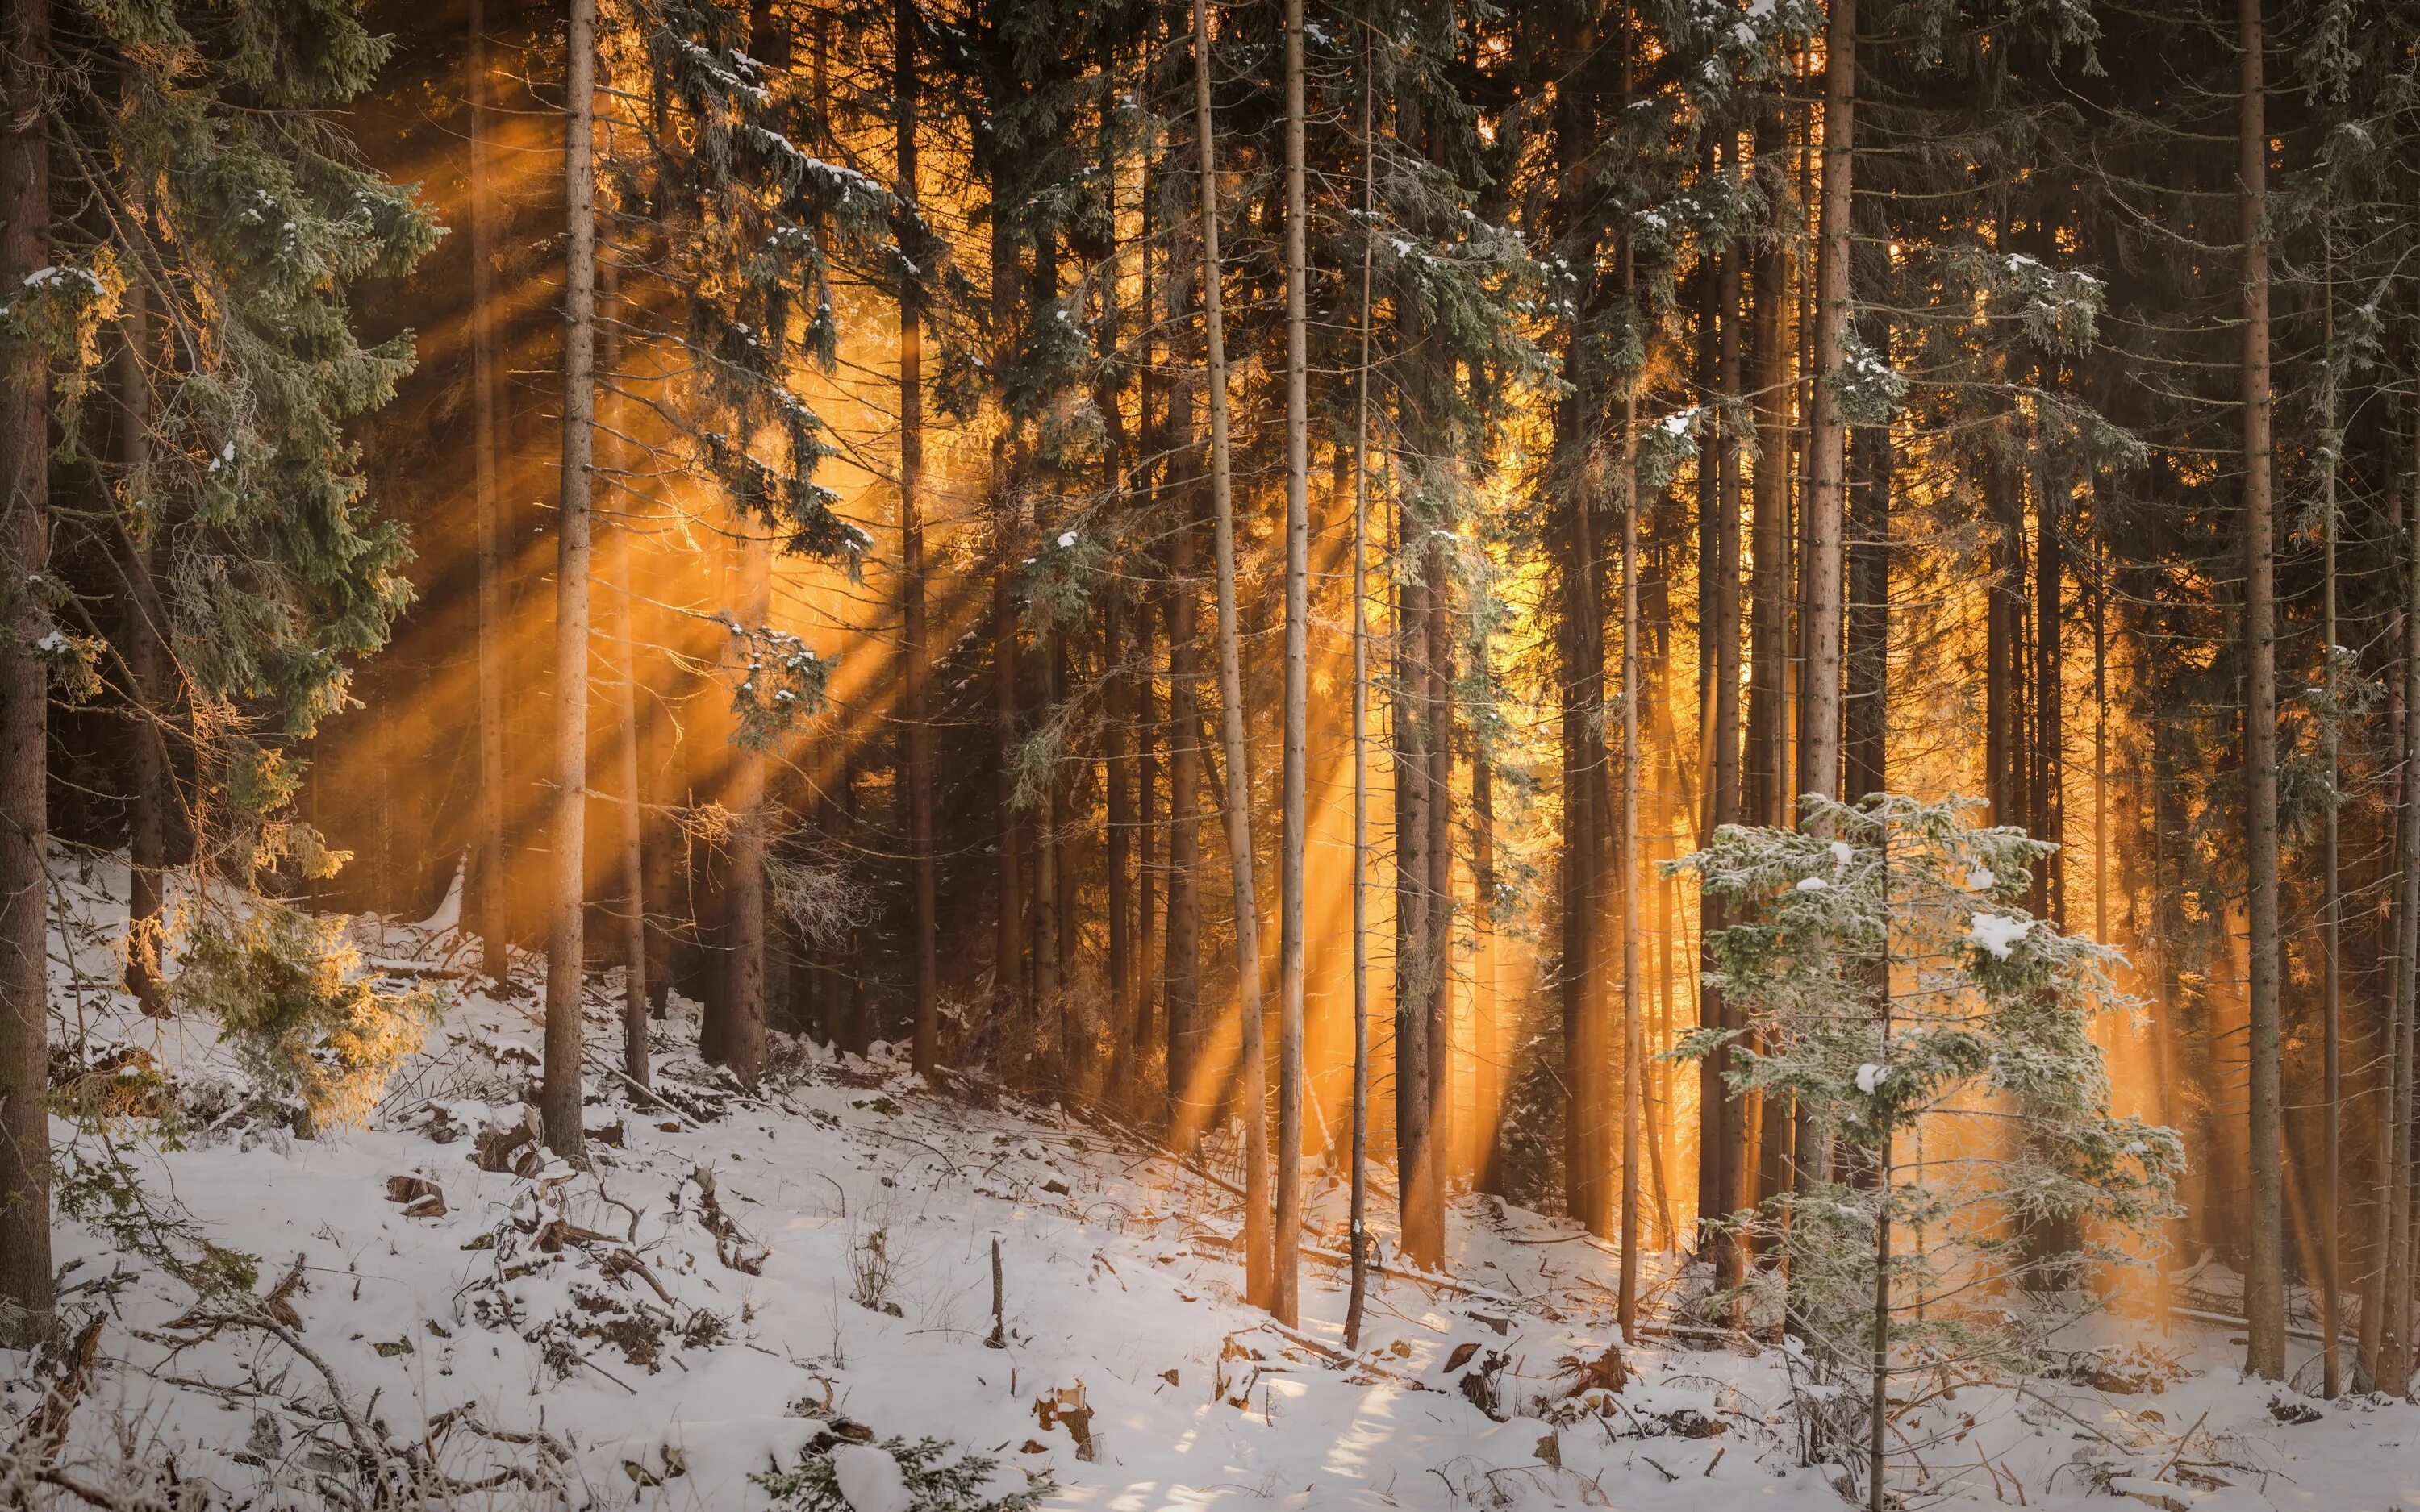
{"points": [[1924, 1045]]}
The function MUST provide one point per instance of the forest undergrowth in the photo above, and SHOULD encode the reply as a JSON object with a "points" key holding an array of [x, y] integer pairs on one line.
{"points": [[845, 1292]]}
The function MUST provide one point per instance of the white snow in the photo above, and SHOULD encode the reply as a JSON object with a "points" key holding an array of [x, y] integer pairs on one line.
{"points": [[1842, 853], [870, 1479], [1121, 1279], [1998, 932], [1982, 879], [1812, 883]]}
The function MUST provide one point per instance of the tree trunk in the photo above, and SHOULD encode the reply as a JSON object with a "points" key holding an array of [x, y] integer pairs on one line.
{"points": [[631, 851], [1819, 732], [2264, 1291], [1181, 969], [744, 884], [486, 904], [1008, 965], [1258, 1259], [2331, 1278], [565, 946], [1626, 857], [1722, 1155], [151, 674], [1490, 1051], [915, 649], [25, 1279], [1285, 1300], [1426, 1241], [1867, 716], [1413, 966], [2388, 1342], [1766, 800], [2048, 787], [1357, 1222]]}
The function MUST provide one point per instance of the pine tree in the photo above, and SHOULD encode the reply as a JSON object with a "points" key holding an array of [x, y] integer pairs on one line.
{"points": [[1896, 991]]}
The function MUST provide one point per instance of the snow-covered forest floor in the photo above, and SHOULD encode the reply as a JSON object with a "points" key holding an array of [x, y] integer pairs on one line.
{"points": [[440, 1316]]}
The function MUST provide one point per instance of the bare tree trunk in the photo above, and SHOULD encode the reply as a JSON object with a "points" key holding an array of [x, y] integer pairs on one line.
{"points": [[1284, 1295], [1409, 726], [1819, 733], [1489, 1050], [1356, 1231], [1258, 1258], [1722, 1151], [744, 885], [149, 671], [2265, 1280], [565, 947], [915, 648], [1008, 965], [1866, 718], [1181, 967], [2389, 1295], [2048, 787], [486, 905], [1626, 858], [26, 1280], [1766, 800], [1425, 1239], [632, 849], [2331, 1279]]}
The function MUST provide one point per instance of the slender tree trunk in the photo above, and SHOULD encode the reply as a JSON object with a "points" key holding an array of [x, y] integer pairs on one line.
{"points": [[1489, 1052], [2331, 882], [1356, 1231], [1181, 967], [1723, 1154], [26, 1280], [2265, 1280], [2392, 1292], [148, 668], [1258, 1258], [565, 949], [1409, 724], [1764, 800], [1284, 1295], [1008, 968], [1868, 714], [915, 648], [631, 851], [1425, 1239], [1626, 857], [1818, 733], [486, 904], [2048, 788], [744, 886]]}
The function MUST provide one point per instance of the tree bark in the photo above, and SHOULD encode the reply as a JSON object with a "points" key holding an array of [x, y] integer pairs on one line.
{"points": [[631, 851], [486, 902], [1284, 1296], [1357, 1222], [26, 1281], [559, 1106], [150, 673], [1182, 966], [915, 649], [1258, 1255], [1819, 731], [1867, 716], [1721, 1153], [2265, 1277]]}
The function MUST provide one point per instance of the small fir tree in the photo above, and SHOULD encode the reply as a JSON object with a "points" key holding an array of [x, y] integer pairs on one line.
{"points": [[1894, 990]]}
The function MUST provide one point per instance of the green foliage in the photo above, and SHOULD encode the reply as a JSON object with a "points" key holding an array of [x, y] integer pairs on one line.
{"points": [[937, 1481], [1936, 1039], [284, 990]]}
